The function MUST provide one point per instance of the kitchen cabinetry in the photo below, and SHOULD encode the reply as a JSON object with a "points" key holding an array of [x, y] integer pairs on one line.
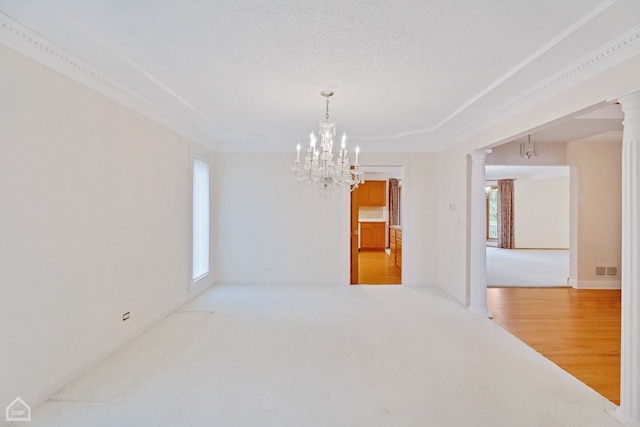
{"points": [[395, 245], [372, 193], [372, 235]]}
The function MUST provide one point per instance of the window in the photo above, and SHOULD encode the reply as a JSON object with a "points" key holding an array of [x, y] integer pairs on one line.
{"points": [[492, 213], [200, 238]]}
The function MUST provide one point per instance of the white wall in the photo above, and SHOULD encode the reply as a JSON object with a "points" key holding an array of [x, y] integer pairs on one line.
{"points": [[541, 213], [270, 228], [453, 170], [596, 168], [94, 222]]}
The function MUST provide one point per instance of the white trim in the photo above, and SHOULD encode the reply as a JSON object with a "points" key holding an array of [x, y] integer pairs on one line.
{"points": [[408, 238], [31, 44], [596, 284], [523, 64], [477, 264], [622, 418], [28, 42], [261, 282], [610, 54], [629, 409]]}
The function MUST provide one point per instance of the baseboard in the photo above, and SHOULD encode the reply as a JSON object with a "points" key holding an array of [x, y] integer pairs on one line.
{"points": [[242, 282], [541, 249], [47, 391], [596, 284]]}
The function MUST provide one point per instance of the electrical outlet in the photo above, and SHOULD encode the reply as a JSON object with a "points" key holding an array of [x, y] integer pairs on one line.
{"points": [[126, 316]]}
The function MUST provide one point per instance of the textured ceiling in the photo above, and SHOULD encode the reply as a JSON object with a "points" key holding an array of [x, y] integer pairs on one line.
{"points": [[247, 74]]}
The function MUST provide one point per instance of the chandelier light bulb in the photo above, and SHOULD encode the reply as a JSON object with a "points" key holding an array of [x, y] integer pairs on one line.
{"points": [[312, 139]]}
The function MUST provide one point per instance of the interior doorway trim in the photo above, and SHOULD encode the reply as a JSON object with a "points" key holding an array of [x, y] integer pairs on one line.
{"points": [[478, 240], [385, 172]]}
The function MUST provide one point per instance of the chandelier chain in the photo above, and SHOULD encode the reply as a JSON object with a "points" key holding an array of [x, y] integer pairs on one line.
{"points": [[326, 116]]}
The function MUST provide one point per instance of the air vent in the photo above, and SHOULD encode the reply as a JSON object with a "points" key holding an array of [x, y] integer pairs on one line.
{"points": [[607, 271]]}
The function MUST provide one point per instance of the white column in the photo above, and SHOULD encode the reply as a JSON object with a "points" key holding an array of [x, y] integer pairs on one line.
{"points": [[478, 240], [629, 409]]}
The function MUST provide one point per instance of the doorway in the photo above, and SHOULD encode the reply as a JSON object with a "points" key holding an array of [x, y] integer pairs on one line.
{"points": [[540, 252], [376, 227], [549, 203]]}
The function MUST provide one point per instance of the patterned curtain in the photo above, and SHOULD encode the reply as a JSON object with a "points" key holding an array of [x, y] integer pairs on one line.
{"points": [[394, 201], [505, 214]]}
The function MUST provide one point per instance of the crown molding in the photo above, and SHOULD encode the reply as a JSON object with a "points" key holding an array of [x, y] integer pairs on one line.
{"points": [[624, 47], [613, 53], [26, 41], [31, 44]]}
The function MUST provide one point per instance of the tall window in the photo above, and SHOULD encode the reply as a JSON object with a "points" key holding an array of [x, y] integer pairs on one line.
{"points": [[200, 252], [492, 213]]}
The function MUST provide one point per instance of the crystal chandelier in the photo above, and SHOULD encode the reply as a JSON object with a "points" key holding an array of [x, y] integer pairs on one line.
{"points": [[528, 148], [319, 168]]}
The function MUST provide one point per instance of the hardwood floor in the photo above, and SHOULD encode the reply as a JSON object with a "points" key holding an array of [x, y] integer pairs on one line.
{"points": [[579, 330], [376, 268]]}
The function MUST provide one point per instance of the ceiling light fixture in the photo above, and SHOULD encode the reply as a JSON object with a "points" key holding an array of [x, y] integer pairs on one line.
{"points": [[319, 168], [528, 148]]}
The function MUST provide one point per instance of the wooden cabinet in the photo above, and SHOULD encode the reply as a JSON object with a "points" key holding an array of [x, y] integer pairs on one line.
{"points": [[372, 193], [395, 245], [372, 235]]}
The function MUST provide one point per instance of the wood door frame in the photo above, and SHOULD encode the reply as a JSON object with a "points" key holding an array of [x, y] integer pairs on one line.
{"points": [[354, 237]]}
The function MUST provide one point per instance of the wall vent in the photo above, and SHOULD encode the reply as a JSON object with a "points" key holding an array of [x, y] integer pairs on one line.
{"points": [[607, 271]]}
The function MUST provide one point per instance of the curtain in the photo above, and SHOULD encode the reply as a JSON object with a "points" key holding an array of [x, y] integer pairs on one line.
{"points": [[200, 238], [505, 214], [394, 201]]}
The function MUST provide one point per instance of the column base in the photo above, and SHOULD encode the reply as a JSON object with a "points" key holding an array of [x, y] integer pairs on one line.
{"points": [[617, 415], [480, 312]]}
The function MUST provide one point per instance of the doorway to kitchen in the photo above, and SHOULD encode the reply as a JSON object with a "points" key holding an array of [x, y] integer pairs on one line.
{"points": [[376, 227]]}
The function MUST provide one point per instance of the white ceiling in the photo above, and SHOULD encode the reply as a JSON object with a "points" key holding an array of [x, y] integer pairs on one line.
{"points": [[408, 75], [605, 118]]}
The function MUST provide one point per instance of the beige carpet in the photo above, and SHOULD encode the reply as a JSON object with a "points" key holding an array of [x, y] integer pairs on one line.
{"points": [[527, 267], [325, 356]]}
